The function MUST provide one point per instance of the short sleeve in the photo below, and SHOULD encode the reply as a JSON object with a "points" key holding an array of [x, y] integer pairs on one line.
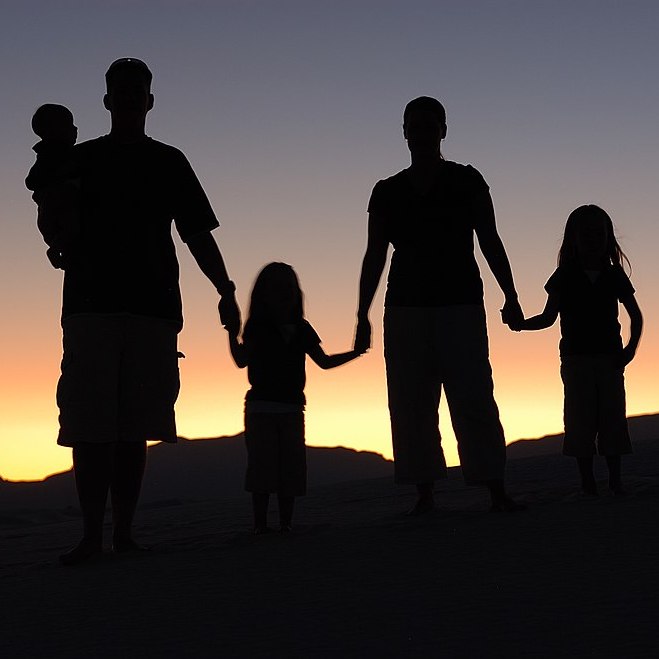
{"points": [[624, 287], [310, 338], [193, 213], [376, 204], [554, 283], [476, 180]]}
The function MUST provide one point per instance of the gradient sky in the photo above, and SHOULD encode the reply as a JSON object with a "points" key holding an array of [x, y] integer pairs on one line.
{"points": [[290, 111]]}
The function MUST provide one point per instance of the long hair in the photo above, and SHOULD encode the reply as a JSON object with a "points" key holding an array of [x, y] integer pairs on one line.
{"points": [[568, 252], [268, 278]]}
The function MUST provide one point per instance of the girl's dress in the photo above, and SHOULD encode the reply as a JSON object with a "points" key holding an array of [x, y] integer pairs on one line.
{"points": [[274, 406]]}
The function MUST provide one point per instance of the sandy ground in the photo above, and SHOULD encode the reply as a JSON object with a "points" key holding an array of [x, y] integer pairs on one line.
{"points": [[568, 577]]}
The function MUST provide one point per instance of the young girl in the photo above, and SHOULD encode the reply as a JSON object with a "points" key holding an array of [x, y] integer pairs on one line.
{"points": [[276, 339], [585, 290]]}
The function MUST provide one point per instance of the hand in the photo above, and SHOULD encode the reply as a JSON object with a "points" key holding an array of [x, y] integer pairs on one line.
{"points": [[512, 314], [362, 336], [627, 355], [229, 314], [56, 258]]}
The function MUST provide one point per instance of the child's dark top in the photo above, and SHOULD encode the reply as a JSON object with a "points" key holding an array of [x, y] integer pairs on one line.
{"points": [[54, 164], [589, 310], [275, 364]]}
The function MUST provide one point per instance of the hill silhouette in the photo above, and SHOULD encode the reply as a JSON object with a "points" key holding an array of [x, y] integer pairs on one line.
{"points": [[195, 470], [205, 469]]}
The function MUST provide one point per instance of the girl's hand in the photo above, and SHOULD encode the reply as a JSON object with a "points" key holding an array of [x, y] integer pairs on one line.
{"points": [[627, 355]]}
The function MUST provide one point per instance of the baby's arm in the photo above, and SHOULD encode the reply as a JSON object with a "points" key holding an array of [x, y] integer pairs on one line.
{"points": [[326, 361], [636, 329], [543, 320]]}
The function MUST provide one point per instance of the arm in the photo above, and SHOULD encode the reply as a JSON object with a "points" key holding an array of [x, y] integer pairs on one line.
{"points": [[207, 254], [495, 254], [238, 350], [543, 320], [636, 318], [326, 361], [372, 268]]}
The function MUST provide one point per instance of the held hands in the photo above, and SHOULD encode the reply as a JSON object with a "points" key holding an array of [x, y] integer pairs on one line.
{"points": [[229, 313], [512, 314], [362, 336]]}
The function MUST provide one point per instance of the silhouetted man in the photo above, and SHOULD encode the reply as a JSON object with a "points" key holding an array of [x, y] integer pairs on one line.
{"points": [[122, 305]]}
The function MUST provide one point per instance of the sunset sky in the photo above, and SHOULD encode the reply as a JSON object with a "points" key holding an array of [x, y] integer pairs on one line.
{"points": [[290, 111]]}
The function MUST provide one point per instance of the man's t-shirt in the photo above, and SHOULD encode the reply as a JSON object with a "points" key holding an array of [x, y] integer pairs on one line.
{"points": [[433, 263], [275, 360], [589, 309], [125, 260]]}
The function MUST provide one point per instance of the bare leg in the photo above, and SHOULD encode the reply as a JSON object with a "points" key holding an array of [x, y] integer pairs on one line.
{"points": [[92, 466], [615, 474], [425, 501], [260, 502], [286, 505], [588, 484], [125, 486], [501, 502]]}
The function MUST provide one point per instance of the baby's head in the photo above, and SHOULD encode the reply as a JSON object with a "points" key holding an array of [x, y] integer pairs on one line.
{"points": [[54, 123]]}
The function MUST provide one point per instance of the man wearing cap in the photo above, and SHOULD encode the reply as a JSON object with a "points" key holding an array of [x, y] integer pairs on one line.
{"points": [[122, 305]]}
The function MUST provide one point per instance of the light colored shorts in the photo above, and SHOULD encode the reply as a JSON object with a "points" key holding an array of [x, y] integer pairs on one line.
{"points": [[119, 379], [594, 411], [276, 454]]}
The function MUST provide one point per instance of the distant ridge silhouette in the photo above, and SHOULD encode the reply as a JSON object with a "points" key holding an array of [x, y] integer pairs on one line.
{"points": [[198, 469], [215, 468], [641, 428]]}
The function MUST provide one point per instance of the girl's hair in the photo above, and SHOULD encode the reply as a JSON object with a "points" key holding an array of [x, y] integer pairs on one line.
{"points": [[268, 278], [568, 251]]}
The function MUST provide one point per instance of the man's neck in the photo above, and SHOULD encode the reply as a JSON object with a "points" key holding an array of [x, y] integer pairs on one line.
{"points": [[127, 134]]}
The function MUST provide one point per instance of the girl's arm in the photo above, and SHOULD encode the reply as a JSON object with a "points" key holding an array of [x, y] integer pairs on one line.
{"points": [[636, 329], [543, 320], [326, 361], [238, 350]]}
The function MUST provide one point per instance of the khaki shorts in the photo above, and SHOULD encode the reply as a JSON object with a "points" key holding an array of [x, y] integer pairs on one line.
{"points": [[276, 455], [119, 379], [594, 411]]}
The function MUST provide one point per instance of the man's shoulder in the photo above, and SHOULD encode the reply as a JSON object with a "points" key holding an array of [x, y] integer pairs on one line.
{"points": [[464, 174], [163, 149]]}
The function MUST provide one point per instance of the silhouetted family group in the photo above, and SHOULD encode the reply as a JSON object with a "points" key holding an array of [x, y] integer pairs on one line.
{"points": [[105, 209]]}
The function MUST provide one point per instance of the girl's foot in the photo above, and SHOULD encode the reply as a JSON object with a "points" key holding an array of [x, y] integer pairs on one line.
{"points": [[124, 545], [82, 552], [262, 530]]}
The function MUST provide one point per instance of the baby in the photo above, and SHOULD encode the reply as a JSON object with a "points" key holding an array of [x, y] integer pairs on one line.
{"points": [[53, 180]]}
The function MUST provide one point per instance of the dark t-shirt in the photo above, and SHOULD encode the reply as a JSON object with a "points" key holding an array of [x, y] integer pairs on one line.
{"points": [[125, 260], [589, 310], [433, 263], [275, 360]]}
